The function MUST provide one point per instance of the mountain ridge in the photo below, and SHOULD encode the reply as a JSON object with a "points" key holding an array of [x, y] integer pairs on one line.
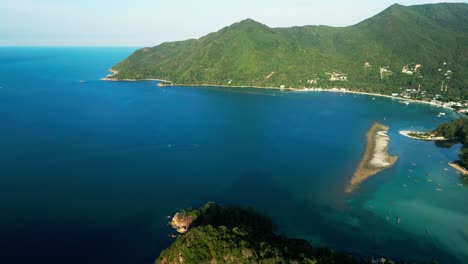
{"points": [[249, 53]]}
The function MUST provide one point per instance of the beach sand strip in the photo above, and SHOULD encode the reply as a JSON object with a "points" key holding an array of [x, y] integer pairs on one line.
{"points": [[375, 159]]}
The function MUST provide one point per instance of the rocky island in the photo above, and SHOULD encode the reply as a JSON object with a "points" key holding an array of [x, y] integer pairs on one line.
{"points": [[375, 157]]}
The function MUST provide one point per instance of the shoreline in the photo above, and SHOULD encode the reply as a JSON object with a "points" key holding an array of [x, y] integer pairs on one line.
{"points": [[290, 89], [452, 164], [459, 168], [114, 72], [375, 159], [407, 133], [339, 90]]}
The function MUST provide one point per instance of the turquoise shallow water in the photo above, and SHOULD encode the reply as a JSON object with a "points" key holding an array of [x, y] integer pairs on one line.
{"points": [[91, 169]]}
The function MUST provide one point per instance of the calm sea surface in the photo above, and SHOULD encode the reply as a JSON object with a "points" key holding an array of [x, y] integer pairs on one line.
{"points": [[89, 170]]}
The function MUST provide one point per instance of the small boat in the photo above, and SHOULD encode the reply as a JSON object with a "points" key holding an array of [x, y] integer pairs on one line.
{"points": [[459, 184], [429, 180], [398, 220], [82, 81], [410, 170], [446, 169], [412, 163], [404, 185], [439, 189]]}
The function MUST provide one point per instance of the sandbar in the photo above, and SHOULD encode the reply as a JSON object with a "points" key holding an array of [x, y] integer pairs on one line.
{"points": [[375, 159]]}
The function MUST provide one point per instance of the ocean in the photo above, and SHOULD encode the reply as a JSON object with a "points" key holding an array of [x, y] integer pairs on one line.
{"points": [[90, 169]]}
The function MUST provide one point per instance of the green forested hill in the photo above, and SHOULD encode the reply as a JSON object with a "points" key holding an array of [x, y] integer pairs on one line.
{"points": [[218, 234], [431, 40]]}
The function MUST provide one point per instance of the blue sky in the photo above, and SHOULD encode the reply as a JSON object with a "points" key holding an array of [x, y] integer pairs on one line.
{"points": [[150, 22]]}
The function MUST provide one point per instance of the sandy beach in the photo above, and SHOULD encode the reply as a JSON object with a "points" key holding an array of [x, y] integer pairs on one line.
{"points": [[458, 167], [341, 90], [289, 89], [375, 159], [110, 77], [407, 133]]}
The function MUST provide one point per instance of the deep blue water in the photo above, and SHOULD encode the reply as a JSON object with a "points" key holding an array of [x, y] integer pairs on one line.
{"points": [[90, 170]]}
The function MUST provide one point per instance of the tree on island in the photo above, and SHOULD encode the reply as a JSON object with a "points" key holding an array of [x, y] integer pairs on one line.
{"points": [[458, 129]]}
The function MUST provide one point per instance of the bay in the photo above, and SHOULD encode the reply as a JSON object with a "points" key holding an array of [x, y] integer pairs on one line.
{"points": [[90, 169]]}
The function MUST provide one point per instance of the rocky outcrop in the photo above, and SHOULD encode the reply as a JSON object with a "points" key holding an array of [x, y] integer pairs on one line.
{"points": [[182, 221]]}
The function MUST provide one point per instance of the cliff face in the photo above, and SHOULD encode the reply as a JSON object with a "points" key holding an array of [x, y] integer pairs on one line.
{"points": [[181, 222]]}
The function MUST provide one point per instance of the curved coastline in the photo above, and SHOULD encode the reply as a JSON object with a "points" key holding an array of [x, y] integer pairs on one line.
{"points": [[375, 159], [424, 137], [290, 89]]}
